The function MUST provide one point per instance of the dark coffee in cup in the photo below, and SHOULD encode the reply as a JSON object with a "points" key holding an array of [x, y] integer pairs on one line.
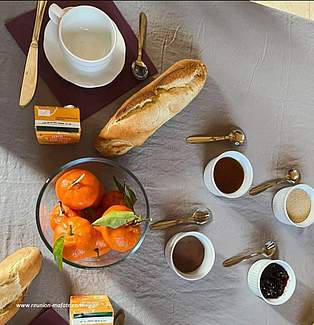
{"points": [[188, 254], [228, 175]]}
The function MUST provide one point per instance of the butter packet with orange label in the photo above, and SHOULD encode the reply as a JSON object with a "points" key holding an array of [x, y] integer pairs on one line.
{"points": [[57, 125], [91, 310]]}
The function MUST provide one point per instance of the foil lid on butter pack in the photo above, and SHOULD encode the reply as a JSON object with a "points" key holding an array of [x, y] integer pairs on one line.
{"points": [[57, 125]]}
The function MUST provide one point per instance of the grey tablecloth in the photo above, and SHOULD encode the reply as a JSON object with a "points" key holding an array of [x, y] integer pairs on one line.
{"points": [[261, 78]]}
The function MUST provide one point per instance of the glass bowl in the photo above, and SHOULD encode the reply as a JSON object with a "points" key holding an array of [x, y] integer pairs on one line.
{"points": [[104, 169]]}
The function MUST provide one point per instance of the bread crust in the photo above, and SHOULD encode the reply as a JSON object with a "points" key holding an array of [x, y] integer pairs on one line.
{"points": [[16, 273], [148, 109], [11, 310]]}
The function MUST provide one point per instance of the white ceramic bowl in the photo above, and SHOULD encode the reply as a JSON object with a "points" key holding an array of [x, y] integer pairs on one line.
{"points": [[209, 255], [248, 175], [280, 205], [254, 280]]}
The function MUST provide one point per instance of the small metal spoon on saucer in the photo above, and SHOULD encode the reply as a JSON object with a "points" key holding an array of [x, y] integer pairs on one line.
{"points": [[199, 217], [293, 177], [139, 68], [236, 137], [268, 250]]}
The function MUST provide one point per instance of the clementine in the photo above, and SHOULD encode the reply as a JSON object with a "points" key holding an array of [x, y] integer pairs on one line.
{"points": [[121, 239], [117, 207], [79, 189], [77, 232], [112, 198], [59, 212], [74, 253], [101, 246]]}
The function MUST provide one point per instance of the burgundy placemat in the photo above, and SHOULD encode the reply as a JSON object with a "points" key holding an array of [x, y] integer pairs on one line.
{"points": [[49, 317], [88, 100]]}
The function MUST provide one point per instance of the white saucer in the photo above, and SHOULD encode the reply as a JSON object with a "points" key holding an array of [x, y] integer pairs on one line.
{"points": [[55, 57]]}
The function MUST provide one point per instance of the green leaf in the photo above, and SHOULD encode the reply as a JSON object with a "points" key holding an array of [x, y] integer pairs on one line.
{"points": [[116, 219], [129, 196], [119, 186], [132, 195], [58, 251], [127, 201]]}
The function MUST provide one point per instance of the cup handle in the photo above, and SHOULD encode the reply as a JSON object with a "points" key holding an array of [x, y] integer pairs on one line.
{"points": [[55, 13]]}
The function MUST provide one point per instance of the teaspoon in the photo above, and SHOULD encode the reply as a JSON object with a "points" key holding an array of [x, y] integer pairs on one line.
{"points": [[268, 250], [236, 137], [293, 177], [139, 68], [199, 217]]}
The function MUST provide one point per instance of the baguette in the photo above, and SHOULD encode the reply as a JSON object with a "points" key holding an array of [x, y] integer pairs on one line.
{"points": [[148, 109], [16, 273]]}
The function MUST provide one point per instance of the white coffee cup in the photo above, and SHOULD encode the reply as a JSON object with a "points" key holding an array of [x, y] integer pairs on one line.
{"points": [[87, 36], [280, 205], [254, 280], [209, 255], [247, 169]]}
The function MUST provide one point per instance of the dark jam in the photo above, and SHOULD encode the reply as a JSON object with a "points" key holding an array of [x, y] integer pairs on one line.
{"points": [[273, 281]]}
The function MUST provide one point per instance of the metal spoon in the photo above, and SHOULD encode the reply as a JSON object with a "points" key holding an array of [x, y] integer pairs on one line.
{"points": [[236, 137], [199, 217], [139, 68], [293, 177], [268, 250]]}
